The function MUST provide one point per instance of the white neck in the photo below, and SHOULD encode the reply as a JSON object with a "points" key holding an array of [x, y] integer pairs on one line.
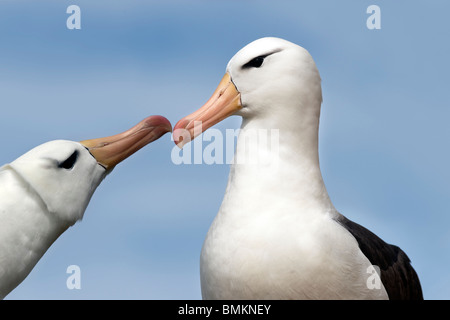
{"points": [[293, 174], [27, 230]]}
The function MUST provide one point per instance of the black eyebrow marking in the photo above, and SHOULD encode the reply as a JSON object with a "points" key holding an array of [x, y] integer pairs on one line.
{"points": [[69, 162], [258, 61]]}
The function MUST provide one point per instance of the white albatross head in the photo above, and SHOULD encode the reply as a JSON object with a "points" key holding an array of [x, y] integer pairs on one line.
{"points": [[270, 79], [47, 190], [64, 174]]}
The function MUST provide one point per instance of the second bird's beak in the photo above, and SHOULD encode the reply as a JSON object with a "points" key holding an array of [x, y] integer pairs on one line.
{"points": [[112, 150], [225, 101]]}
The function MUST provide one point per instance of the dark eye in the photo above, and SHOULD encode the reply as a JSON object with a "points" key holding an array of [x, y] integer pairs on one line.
{"points": [[69, 162], [254, 63]]}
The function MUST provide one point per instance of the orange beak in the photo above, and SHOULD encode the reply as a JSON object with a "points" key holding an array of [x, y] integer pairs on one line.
{"points": [[225, 101], [112, 150]]}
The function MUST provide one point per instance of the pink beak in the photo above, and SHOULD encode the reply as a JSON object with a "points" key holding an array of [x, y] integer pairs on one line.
{"points": [[112, 150]]}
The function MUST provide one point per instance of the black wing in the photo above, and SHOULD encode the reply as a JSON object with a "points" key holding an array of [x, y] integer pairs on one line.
{"points": [[398, 276]]}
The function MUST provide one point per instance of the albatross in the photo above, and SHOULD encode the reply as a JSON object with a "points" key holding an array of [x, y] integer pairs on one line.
{"points": [[277, 234], [47, 190]]}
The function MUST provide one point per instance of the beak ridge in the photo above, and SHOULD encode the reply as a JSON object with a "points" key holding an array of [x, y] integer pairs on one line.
{"points": [[110, 151], [224, 102]]}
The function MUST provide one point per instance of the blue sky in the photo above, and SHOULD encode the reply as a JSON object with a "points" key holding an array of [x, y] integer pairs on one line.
{"points": [[383, 137]]}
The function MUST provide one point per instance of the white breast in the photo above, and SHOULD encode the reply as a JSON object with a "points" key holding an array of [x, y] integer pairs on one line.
{"points": [[276, 237], [26, 231], [287, 257]]}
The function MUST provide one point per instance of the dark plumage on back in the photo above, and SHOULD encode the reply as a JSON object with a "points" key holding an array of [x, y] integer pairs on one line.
{"points": [[398, 276]]}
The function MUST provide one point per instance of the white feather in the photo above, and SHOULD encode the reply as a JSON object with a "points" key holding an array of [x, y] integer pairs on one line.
{"points": [[274, 236], [38, 202]]}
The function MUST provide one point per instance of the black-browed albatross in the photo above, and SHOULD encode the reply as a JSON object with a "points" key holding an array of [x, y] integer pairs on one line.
{"points": [[47, 190], [277, 234]]}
